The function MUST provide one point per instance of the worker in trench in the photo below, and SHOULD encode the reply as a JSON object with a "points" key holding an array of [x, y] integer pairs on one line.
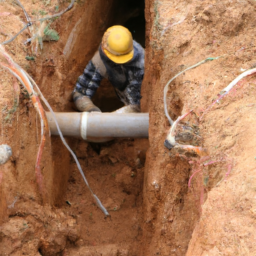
{"points": [[121, 60]]}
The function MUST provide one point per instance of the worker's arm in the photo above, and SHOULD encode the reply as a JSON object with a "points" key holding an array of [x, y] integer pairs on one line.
{"points": [[88, 83], [134, 86], [131, 96]]}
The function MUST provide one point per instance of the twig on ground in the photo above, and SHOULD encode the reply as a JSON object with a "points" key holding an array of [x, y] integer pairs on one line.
{"points": [[57, 14], [30, 28], [166, 86], [31, 22], [10, 40], [25, 12]]}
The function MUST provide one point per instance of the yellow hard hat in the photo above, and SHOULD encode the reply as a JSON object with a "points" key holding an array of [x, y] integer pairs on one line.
{"points": [[117, 44]]}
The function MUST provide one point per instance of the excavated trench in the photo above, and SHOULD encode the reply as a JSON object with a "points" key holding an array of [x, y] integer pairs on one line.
{"points": [[79, 47], [114, 170], [143, 185], [140, 199], [146, 196]]}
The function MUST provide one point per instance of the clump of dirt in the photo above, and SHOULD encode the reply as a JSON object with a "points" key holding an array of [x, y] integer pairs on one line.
{"points": [[33, 229]]}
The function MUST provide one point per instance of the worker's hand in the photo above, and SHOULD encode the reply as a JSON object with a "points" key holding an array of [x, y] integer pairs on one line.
{"points": [[128, 109], [84, 103]]}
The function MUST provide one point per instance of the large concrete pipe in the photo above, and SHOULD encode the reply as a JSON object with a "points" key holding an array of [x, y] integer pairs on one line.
{"points": [[100, 127]]}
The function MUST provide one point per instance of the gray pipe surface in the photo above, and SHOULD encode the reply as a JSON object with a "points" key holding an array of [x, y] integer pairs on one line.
{"points": [[100, 127]]}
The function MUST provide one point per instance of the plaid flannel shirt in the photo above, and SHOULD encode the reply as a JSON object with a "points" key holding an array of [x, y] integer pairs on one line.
{"points": [[126, 78]]}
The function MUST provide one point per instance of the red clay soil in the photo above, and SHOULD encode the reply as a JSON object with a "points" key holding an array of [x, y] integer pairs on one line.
{"points": [[143, 185], [180, 34]]}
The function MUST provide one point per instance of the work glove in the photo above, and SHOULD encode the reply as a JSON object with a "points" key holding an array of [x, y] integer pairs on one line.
{"points": [[128, 109], [84, 103]]}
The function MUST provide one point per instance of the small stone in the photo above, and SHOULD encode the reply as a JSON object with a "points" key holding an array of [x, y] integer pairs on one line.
{"points": [[73, 235], [104, 152], [109, 203], [112, 159], [124, 177], [80, 242], [138, 163], [5, 153]]}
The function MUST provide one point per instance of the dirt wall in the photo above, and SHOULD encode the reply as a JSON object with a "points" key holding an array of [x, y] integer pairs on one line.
{"points": [[56, 69], [18, 117], [169, 212], [217, 210]]}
